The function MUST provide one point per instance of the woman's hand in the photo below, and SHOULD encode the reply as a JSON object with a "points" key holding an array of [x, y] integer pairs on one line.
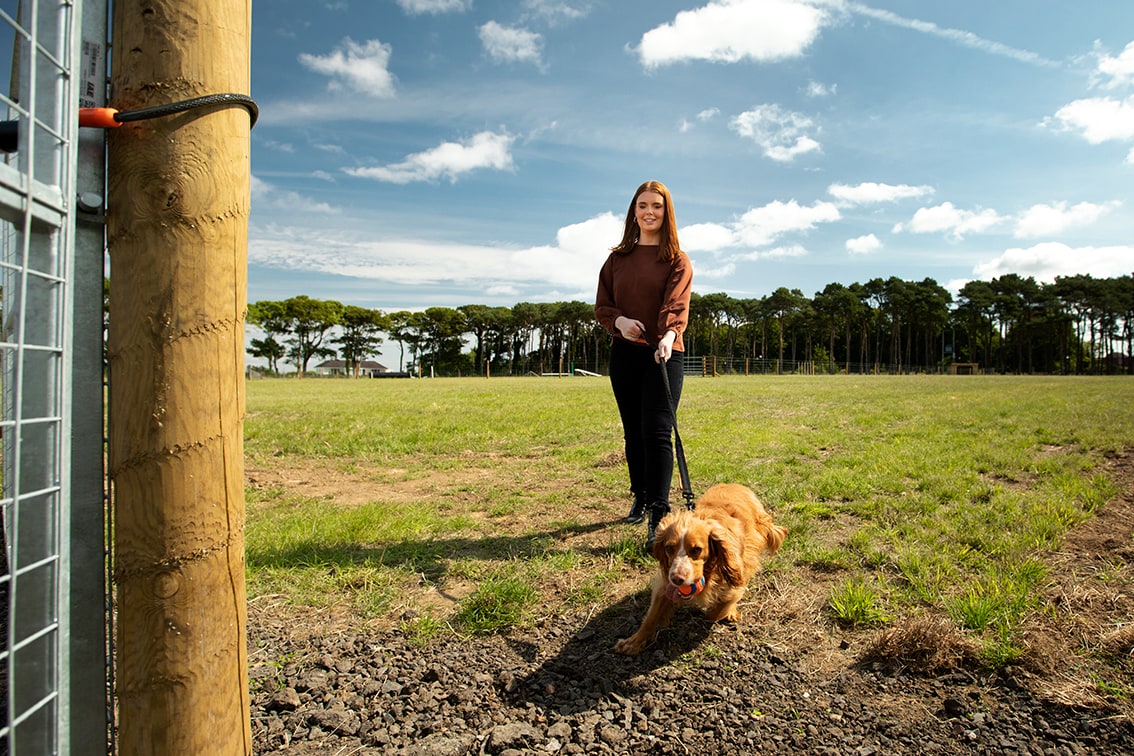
{"points": [[665, 347], [633, 330]]}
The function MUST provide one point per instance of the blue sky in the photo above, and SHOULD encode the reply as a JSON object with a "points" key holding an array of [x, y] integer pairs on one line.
{"points": [[418, 153]]}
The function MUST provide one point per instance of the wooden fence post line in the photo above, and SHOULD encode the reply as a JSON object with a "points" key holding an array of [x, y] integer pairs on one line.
{"points": [[177, 235]]}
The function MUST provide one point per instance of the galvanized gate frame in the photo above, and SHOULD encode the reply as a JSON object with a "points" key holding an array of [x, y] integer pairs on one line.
{"points": [[55, 665]]}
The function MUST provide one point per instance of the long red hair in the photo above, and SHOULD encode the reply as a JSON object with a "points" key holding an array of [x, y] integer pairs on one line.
{"points": [[669, 247]]}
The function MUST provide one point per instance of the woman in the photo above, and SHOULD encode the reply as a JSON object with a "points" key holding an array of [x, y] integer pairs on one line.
{"points": [[643, 301]]}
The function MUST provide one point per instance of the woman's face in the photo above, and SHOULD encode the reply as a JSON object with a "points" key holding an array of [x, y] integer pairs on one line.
{"points": [[649, 211]]}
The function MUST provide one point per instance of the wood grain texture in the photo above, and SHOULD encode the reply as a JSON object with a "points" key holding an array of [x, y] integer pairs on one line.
{"points": [[177, 229]]}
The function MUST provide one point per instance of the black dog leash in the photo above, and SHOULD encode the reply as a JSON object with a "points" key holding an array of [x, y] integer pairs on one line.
{"points": [[682, 468]]}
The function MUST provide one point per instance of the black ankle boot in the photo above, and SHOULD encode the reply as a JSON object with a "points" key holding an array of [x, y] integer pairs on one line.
{"points": [[637, 509], [658, 510]]}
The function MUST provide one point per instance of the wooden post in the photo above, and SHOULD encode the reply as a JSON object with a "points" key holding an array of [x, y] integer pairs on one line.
{"points": [[177, 231]]}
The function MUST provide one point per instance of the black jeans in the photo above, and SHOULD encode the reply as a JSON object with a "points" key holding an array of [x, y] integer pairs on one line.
{"points": [[647, 420]]}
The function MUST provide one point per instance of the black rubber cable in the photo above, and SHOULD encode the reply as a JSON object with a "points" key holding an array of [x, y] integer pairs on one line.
{"points": [[157, 111]]}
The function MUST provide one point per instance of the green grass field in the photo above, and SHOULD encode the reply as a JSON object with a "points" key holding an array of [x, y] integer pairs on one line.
{"points": [[939, 496]]}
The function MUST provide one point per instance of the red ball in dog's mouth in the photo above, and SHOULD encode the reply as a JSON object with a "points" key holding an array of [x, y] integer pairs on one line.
{"points": [[677, 593]]}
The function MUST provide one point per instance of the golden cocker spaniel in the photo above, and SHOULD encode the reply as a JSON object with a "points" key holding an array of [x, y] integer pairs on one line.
{"points": [[706, 558]]}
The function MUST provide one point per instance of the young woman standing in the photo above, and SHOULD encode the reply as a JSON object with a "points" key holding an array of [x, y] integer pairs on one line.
{"points": [[643, 301]]}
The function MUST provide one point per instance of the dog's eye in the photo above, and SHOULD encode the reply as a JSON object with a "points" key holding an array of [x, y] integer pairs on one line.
{"points": [[695, 552]]}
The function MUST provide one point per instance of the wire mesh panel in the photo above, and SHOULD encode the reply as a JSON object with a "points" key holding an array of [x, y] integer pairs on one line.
{"points": [[36, 241]]}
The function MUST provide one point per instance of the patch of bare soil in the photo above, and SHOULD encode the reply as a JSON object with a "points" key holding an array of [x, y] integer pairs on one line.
{"points": [[783, 680]]}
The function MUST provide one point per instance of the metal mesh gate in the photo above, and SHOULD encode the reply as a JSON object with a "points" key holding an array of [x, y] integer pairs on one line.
{"points": [[46, 624]]}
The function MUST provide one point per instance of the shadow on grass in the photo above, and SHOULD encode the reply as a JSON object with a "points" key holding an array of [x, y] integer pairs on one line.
{"points": [[430, 557], [587, 670]]}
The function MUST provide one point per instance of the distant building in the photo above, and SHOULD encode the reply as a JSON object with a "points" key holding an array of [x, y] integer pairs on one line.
{"points": [[366, 368]]}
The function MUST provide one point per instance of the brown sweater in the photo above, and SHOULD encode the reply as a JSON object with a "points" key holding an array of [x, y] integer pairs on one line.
{"points": [[638, 286]]}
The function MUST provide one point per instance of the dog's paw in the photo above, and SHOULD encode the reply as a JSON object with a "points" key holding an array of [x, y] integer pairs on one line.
{"points": [[724, 614], [631, 646]]}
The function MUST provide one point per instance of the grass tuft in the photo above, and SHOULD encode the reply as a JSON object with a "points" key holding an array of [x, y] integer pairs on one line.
{"points": [[497, 605], [421, 630], [856, 603], [630, 549]]}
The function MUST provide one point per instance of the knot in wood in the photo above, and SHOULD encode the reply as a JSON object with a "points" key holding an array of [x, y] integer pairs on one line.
{"points": [[166, 585]]}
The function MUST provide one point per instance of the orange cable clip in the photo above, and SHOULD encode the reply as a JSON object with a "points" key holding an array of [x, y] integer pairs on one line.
{"points": [[99, 118]]}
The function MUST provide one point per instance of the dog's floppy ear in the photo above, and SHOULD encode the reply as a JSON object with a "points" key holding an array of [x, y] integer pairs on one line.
{"points": [[724, 553], [774, 538], [661, 538]]}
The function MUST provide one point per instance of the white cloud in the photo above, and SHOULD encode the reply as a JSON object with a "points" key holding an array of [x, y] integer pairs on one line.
{"points": [[361, 67], [870, 192], [761, 226], [953, 221], [776, 253], [706, 237], [723, 271], [272, 144], [1116, 71], [506, 44], [954, 285], [267, 195], [1046, 261], [1046, 220], [728, 31], [818, 89], [502, 290], [782, 135], [435, 7], [1098, 119], [552, 12], [965, 38], [570, 265], [782, 253], [449, 159], [704, 116], [864, 245], [579, 239]]}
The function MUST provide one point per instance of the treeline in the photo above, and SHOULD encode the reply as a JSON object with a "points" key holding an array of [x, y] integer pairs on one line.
{"points": [[1011, 324]]}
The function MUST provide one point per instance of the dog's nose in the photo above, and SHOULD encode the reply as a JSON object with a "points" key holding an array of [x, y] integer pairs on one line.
{"points": [[681, 577]]}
